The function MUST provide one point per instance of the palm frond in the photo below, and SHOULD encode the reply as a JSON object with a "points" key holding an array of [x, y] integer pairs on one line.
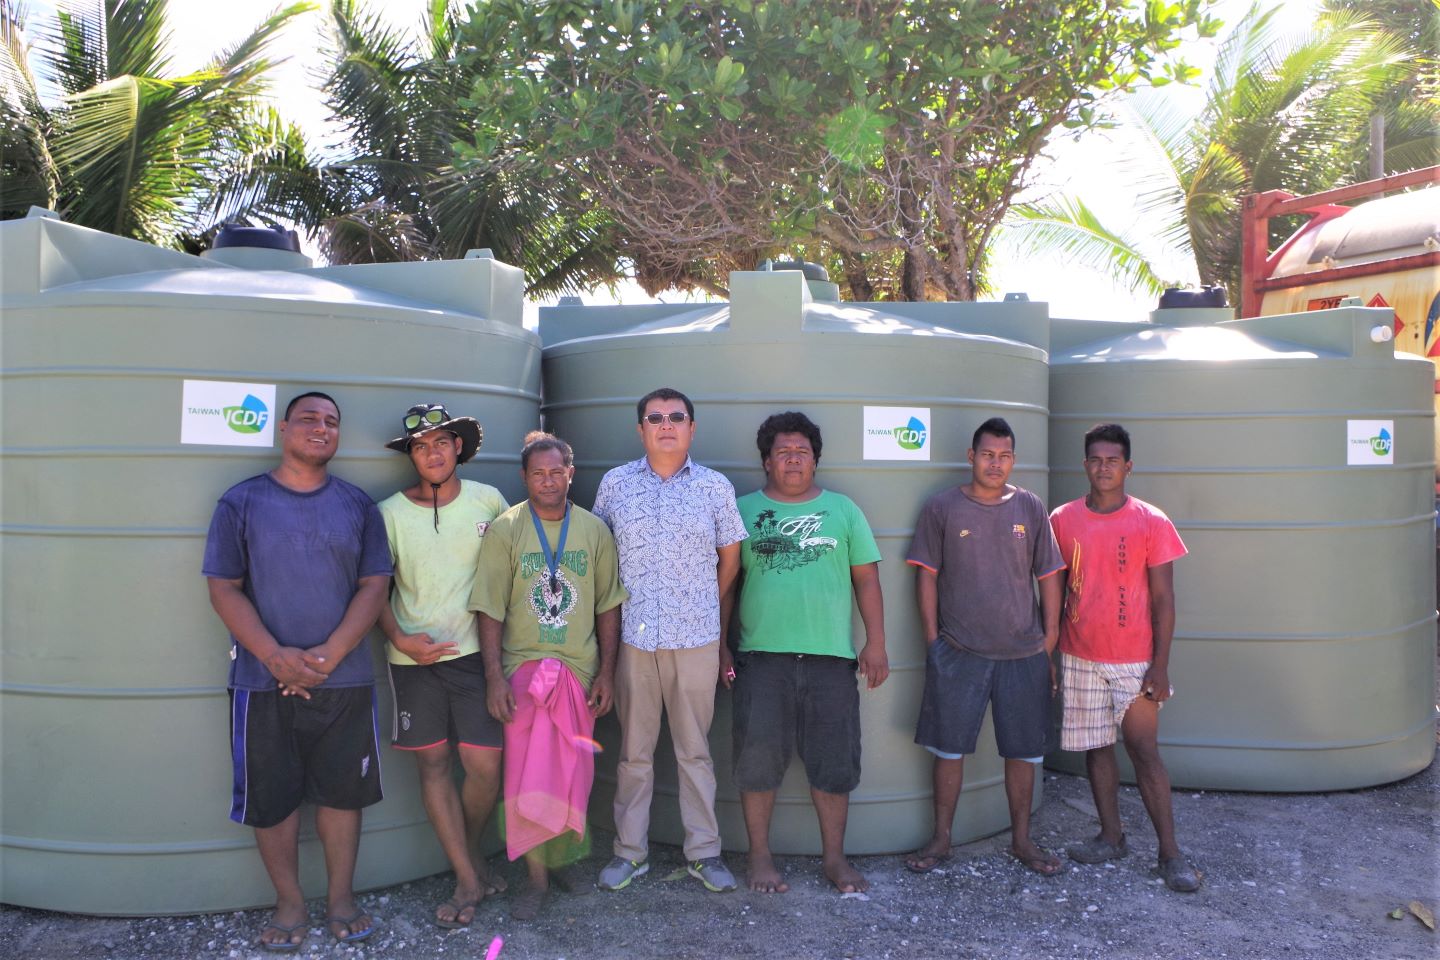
{"points": [[374, 234], [1067, 228], [137, 36]]}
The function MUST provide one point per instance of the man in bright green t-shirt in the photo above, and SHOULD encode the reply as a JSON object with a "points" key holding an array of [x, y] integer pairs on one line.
{"points": [[809, 552]]}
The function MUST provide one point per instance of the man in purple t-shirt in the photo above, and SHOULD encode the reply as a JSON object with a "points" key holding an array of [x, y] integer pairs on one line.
{"points": [[978, 550], [298, 568]]}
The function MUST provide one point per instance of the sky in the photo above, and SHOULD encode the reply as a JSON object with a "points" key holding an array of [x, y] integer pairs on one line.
{"points": [[1084, 165]]}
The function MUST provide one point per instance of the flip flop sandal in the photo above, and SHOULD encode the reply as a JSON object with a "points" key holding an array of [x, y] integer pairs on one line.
{"points": [[924, 864], [1178, 875], [1034, 863], [287, 945], [459, 906], [354, 936], [1096, 850]]}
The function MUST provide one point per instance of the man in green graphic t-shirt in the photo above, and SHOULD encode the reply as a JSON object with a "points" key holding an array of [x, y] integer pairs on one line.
{"points": [[809, 551]]}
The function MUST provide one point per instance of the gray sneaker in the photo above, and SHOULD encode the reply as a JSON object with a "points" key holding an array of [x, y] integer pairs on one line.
{"points": [[713, 873], [617, 874]]}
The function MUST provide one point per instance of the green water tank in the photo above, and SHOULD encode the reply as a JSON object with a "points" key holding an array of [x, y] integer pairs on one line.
{"points": [[127, 370], [1294, 455], [860, 371]]}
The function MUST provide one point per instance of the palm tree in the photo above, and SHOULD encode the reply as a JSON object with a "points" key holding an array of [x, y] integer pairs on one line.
{"points": [[399, 194], [1280, 112], [127, 148]]}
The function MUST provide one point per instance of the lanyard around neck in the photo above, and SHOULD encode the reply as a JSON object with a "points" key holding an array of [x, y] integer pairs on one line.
{"points": [[552, 558]]}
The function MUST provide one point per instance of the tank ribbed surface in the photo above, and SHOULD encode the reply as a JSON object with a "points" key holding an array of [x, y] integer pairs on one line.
{"points": [[113, 702], [1305, 640], [773, 348]]}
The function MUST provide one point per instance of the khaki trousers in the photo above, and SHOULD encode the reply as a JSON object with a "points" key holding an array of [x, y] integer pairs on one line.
{"points": [[683, 683]]}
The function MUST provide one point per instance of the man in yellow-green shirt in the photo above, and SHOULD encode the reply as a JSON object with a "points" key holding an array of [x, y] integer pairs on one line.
{"points": [[548, 597], [435, 529]]}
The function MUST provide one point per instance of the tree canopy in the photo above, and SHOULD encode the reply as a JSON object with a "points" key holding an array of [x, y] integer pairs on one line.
{"points": [[891, 135], [389, 189]]}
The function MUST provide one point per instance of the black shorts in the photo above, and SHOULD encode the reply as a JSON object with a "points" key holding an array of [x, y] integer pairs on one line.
{"points": [[801, 703], [959, 684], [288, 750], [443, 703]]}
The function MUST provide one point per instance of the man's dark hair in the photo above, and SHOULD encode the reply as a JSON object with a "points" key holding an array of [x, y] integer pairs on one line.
{"points": [[313, 393], [663, 393], [1108, 433], [538, 440], [995, 427], [791, 421]]}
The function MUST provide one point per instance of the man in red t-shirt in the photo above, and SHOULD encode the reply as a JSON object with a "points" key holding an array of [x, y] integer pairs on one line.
{"points": [[1115, 634]]}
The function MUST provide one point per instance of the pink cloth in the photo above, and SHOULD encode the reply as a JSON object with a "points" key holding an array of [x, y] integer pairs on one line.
{"points": [[549, 756]]}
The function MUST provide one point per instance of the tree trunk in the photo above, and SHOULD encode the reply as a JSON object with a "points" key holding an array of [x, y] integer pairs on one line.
{"points": [[861, 289], [912, 276]]}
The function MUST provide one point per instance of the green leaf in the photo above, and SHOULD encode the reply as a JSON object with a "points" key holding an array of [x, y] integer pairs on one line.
{"points": [[856, 135]]}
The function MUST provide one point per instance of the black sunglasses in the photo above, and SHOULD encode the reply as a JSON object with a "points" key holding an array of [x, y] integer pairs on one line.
{"points": [[679, 416]]}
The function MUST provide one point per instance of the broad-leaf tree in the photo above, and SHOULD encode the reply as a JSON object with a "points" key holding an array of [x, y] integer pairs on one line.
{"points": [[394, 192], [889, 136]]}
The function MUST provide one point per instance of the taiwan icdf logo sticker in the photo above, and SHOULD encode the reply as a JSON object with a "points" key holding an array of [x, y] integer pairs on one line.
{"points": [[1369, 442], [221, 413], [896, 433]]}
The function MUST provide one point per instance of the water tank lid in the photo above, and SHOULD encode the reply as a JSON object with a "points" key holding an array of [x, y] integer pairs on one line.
{"points": [[265, 238], [1174, 298], [812, 271]]}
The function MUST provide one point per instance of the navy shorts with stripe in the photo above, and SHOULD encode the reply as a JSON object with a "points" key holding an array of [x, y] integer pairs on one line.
{"points": [[286, 751], [959, 685]]}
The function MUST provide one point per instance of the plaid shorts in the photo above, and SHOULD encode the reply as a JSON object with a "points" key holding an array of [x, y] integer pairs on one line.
{"points": [[1096, 698]]}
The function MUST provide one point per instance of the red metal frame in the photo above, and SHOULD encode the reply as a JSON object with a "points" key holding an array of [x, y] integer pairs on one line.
{"points": [[1256, 263]]}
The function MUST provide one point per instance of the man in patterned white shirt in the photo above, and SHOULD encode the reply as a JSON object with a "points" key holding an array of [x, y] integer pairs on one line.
{"points": [[678, 533]]}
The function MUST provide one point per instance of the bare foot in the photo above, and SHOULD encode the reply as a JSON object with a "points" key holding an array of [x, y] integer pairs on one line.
{"points": [[1043, 863], [764, 877], [491, 880], [289, 924], [526, 904], [845, 878], [930, 856]]}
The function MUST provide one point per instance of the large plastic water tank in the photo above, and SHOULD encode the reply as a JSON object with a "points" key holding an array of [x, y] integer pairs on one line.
{"points": [[1389, 245], [1294, 455], [115, 767], [775, 347]]}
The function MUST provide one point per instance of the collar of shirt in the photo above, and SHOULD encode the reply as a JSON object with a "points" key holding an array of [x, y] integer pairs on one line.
{"points": [[644, 464]]}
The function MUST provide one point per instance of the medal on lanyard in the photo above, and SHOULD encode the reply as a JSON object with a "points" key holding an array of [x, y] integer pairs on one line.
{"points": [[552, 559]]}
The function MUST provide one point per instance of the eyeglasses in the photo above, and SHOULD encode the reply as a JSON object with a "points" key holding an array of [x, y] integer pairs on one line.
{"points": [[421, 414], [655, 419]]}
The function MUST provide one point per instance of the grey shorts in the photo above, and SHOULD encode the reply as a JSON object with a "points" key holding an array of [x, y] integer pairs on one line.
{"points": [[788, 703], [959, 684]]}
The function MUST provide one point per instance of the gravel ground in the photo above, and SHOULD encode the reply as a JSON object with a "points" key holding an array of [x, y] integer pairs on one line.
{"points": [[1309, 877]]}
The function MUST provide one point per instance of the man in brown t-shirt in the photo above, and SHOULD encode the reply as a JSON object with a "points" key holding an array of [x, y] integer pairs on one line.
{"points": [[978, 550]]}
